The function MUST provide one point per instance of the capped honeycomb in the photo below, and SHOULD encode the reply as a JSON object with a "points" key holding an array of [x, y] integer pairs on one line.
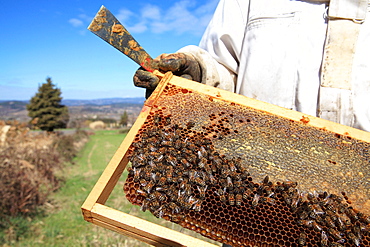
{"points": [[248, 178]]}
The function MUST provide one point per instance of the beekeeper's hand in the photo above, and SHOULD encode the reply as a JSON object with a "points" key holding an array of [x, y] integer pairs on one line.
{"points": [[181, 64]]}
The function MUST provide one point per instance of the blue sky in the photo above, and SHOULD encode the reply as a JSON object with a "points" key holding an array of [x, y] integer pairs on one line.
{"points": [[49, 38]]}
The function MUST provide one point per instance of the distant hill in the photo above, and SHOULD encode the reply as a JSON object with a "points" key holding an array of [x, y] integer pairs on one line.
{"points": [[13, 105], [78, 102], [104, 101], [111, 108]]}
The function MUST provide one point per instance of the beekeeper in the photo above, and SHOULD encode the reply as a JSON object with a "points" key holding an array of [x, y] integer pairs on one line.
{"points": [[311, 56]]}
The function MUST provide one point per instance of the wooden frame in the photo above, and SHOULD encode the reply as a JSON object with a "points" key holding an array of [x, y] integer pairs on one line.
{"points": [[96, 212]]}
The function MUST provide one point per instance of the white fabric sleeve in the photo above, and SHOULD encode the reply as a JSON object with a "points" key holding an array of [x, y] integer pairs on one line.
{"points": [[213, 73], [219, 50]]}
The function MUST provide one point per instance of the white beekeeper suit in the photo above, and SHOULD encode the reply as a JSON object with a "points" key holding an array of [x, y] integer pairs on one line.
{"points": [[272, 50]]}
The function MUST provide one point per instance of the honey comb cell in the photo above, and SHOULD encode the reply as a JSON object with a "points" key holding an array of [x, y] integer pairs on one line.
{"points": [[247, 177]]}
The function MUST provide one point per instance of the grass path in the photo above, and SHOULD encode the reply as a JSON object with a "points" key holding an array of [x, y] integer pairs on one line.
{"points": [[64, 224]]}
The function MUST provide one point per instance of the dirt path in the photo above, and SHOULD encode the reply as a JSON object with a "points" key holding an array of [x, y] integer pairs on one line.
{"points": [[89, 164]]}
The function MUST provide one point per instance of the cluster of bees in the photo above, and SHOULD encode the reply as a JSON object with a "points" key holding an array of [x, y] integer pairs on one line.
{"points": [[175, 172], [329, 215]]}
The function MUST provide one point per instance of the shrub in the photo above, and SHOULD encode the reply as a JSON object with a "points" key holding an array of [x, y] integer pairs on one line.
{"points": [[28, 165]]}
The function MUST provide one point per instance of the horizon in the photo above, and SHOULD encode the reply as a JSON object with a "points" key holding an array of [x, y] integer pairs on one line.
{"points": [[129, 97], [50, 39]]}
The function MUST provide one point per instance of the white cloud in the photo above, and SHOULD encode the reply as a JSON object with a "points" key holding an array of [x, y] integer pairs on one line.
{"points": [[151, 12], [185, 16], [123, 15], [138, 28], [75, 22]]}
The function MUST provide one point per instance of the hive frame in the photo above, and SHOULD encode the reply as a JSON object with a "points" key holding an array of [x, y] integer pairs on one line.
{"points": [[96, 212]]}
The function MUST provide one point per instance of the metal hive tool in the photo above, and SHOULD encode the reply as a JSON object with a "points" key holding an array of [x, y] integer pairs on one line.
{"points": [[246, 176]]}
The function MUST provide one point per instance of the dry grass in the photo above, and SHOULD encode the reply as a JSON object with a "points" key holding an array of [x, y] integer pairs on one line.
{"points": [[29, 162]]}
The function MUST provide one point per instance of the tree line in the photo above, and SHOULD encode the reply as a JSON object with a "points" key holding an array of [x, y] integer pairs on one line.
{"points": [[47, 111]]}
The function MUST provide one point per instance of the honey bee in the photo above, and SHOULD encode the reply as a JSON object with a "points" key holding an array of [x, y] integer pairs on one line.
{"points": [[351, 213], [192, 175], [364, 218], [202, 153], [200, 182], [140, 157], [356, 229], [154, 204], [144, 205], [166, 142], [151, 147], [232, 166], [161, 181], [229, 183], [185, 162], [217, 161], [190, 201], [306, 223], [289, 184], [171, 159], [148, 187], [340, 224], [174, 208], [178, 144], [238, 183], [147, 173], [318, 209], [287, 198], [303, 214], [159, 158], [158, 196], [341, 207], [247, 192], [167, 120], [329, 222], [231, 199], [208, 169], [137, 172], [354, 239], [238, 199], [169, 174], [294, 203], [212, 179], [202, 162], [192, 147], [316, 226], [158, 212], [270, 200], [324, 239], [143, 182], [302, 239], [155, 176], [177, 218], [142, 193], [255, 200], [197, 206], [221, 193], [336, 234], [187, 190], [202, 191], [312, 197]]}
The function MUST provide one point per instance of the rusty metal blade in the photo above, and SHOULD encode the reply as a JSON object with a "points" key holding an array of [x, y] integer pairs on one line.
{"points": [[106, 26]]}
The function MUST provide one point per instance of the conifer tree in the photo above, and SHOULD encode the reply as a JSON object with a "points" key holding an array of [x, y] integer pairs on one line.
{"points": [[45, 108], [124, 119]]}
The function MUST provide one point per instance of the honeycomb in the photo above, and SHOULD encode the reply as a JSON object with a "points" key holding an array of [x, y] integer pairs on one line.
{"points": [[248, 178]]}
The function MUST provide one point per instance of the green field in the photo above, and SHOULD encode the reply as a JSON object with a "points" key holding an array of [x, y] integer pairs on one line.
{"points": [[63, 224]]}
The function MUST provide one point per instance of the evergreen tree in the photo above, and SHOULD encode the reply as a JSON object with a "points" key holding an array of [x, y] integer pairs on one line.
{"points": [[45, 108], [124, 119]]}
